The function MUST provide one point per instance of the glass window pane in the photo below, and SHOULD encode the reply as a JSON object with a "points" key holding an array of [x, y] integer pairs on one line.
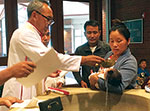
{"points": [[75, 15], [3, 46], [22, 12], [1, 86]]}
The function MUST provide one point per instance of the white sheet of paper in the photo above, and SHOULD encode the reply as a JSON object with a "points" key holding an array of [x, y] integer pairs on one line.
{"points": [[44, 66], [27, 105]]}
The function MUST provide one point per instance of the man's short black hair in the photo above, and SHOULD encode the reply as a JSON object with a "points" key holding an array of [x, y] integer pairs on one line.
{"points": [[93, 23]]}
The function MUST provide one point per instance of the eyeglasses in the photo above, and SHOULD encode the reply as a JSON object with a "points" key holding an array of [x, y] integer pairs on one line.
{"points": [[50, 20]]}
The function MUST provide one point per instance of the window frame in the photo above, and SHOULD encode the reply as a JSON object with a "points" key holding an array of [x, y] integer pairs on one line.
{"points": [[11, 22]]}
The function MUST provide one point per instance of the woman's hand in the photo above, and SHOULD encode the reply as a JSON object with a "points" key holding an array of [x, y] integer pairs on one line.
{"points": [[93, 80]]}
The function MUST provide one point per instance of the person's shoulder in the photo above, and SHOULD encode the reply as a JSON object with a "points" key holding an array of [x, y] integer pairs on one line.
{"points": [[16, 31], [128, 55], [108, 54], [81, 47], [24, 29], [104, 45], [133, 58], [139, 68], [130, 61]]}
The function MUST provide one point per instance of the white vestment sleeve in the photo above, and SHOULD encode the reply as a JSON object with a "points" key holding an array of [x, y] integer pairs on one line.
{"points": [[70, 63]]}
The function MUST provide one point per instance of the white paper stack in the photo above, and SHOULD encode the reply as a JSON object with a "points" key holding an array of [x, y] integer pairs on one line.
{"points": [[44, 66]]}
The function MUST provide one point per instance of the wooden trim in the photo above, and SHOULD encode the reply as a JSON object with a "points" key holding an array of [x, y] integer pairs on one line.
{"points": [[3, 61], [113, 12], [58, 28], [96, 11], [11, 21], [11, 18]]}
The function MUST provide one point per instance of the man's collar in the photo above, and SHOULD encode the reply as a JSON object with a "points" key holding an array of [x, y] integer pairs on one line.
{"points": [[36, 29]]}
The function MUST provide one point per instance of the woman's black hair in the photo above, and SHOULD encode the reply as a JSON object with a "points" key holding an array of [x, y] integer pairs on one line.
{"points": [[121, 27]]}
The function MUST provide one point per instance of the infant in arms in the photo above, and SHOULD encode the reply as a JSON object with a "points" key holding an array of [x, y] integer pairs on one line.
{"points": [[111, 75]]}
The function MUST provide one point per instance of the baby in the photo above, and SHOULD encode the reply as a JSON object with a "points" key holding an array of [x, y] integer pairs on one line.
{"points": [[112, 75], [146, 85]]}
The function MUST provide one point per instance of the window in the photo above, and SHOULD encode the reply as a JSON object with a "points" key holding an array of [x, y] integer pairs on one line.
{"points": [[3, 46], [75, 15], [22, 12]]}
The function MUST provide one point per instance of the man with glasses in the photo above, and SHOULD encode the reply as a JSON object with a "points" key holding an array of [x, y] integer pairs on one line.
{"points": [[94, 46], [26, 45]]}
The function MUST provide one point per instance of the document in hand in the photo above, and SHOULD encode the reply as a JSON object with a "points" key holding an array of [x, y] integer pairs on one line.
{"points": [[44, 66]]}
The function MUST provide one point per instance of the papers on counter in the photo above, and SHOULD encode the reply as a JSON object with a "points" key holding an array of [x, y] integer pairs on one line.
{"points": [[29, 105], [44, 66]]}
